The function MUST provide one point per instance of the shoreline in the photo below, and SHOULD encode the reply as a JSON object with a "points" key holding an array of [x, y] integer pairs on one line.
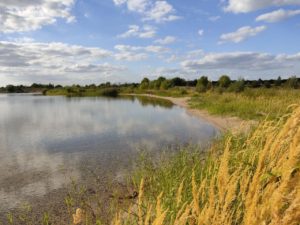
{"points": [[223, 123]]}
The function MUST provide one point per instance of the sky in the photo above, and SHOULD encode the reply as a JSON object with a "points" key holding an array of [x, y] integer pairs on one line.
{"points": [[94, 41]]}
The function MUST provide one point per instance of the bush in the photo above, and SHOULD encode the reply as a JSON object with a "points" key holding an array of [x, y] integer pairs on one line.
{"points": [[237, 86], [224, 81], [202, 84], [292, 82], [145, 83], [278, 82], [166, 84], [111, 92], [183, 92]]}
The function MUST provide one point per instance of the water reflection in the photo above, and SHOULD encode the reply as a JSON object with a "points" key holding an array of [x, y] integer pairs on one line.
{"points": [[149, 101], [43, 140]]}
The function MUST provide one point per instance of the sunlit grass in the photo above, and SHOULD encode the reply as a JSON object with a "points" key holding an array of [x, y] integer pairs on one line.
{"points": [[251, 104], [243, 180], [172, 92]]}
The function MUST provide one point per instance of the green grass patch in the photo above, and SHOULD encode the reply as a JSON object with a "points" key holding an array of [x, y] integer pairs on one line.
{"points": [[252, 104]]}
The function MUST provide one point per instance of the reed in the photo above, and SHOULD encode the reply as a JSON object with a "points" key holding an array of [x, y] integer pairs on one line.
{"points": [[250, 180]]}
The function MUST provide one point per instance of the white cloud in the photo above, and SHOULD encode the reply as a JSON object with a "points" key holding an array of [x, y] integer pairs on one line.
{"points": [[53, 61], [134, 5], [167, 40], [151, 10], [200, 32], [130, 56], [214, 18], [137, 53], [168, 72], [249, 61], [241, 34], [104, 68], [161, 11], [156, 49], [277, 15], [150, 48], [172, 58], [21, 39], [135, 31], [27, 15], [129, 53], [186, 56], [194, 53], [245, 6]]}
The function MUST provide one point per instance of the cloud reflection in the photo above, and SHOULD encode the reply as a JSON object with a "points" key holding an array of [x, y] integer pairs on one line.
{"points": [[42, 136]]}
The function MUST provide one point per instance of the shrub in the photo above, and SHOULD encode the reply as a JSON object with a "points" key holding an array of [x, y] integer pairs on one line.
{"points": [[292, 82], [278, 82], [166, 84], [267, 84], [145, 83], [224, 81], [111, 92], [202, 84], [237, 86]]}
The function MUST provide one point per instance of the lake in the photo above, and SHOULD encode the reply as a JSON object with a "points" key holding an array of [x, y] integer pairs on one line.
{"points": [[45, 141]]}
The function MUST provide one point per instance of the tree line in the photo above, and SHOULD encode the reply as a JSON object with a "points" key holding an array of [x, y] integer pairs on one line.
{"points": [[223, 83], [161, 83]]}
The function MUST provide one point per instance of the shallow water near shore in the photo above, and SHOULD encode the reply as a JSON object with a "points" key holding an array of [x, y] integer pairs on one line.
{"points": [[45, 141]]}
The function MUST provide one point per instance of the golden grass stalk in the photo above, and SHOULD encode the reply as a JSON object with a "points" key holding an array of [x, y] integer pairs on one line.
{"points": [[253, 181]]}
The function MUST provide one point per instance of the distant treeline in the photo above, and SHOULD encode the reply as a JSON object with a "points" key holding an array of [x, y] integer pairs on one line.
{"points": [[25, 89], [224, 82], [202, 84]]}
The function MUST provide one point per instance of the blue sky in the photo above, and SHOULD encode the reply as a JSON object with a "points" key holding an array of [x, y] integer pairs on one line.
{"points": [[93, 41]]}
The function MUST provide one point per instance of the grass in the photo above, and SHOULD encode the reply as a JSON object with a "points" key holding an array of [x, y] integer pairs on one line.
{"points": [[83, 92], [252, 104], [172, 92], [252, 179]]}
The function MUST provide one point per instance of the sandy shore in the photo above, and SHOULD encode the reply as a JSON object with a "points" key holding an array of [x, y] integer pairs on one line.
{"points": [[224, 123]]}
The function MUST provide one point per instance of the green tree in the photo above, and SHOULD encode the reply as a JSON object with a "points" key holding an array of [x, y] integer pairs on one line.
{"points": [[166, 84], [161, 79], [202, 84], [145, 83], [292, 82], [224, 81], [267, 84], [10, 88], [278, 82], [157, 83], [177, 81]]}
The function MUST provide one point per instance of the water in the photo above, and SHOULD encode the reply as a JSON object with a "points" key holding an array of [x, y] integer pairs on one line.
{"points": [[46, 140]]}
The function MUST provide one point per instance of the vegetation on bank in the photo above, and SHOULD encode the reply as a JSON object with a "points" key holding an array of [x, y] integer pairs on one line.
{"points": [[162, 86], [251, 104], [249, 100], [27, 89], [77, 91], [253, 179]]}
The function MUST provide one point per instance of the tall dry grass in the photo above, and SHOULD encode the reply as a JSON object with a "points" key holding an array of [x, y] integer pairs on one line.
{"points": [[253, 180]]}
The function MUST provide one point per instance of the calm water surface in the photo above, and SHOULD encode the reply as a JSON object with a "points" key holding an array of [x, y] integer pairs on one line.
{"points": [[45, 140]]}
